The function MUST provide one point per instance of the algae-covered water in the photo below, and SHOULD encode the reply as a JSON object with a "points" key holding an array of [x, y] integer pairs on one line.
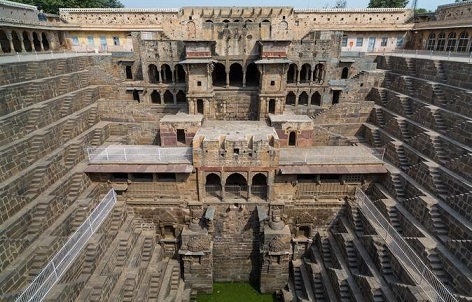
{"points": [[234, 292]]}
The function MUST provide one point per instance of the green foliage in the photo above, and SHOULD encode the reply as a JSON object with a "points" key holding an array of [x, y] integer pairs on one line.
{"points": [[387, 3], [234, 292], [422, 11], [52, 6]]}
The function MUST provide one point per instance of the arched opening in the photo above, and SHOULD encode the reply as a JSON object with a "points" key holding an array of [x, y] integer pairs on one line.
{"points": [[181, 99], [136, 96], [27, 42], [153, 74], [219, 75], [226, 21], [166, 73], [252, 75], [5, 44], [236, 186], [179, 74], [303, 231], [303, 99], [45, 41], [345, 73], [292, 73], [168, 97], [451, 42], [431, 41], [213, 185], [292, 138], [290, 99], [259, 185], [36, 42], [463, 41], [129, 72], [336, 94], [16, 41], [272, 106], [208, 21], [200, 107], [316, 99], [305, 73], [155, 97], [318, 73], [441, 42], [235, 74]]}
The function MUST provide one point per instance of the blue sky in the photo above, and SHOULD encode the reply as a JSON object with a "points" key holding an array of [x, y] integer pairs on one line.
{"points": [[428, 4]]}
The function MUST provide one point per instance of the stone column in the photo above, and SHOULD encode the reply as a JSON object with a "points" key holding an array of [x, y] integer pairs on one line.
{"points": [[160, 77], [40, 39], [244, 79], [222, 188], [227, 78], [10, 40], [298, 75], [276, 255]]}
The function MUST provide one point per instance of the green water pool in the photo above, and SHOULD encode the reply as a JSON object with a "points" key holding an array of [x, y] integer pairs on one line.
{"points": [[234, 292]]}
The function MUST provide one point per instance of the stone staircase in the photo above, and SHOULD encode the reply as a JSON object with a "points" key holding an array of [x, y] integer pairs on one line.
{"points": [[437, 268], [440, 71], [298, 281], [402, 124], [33, 91], [438, 149], [409, 86], [318, 288], [438, 184], [411, 67], [40, 213], [402, 159], [326, 252], [92, 118], [344, 291], [357, 220], [393, 218], [33, 119], [439, 228], [35, 145], [377, 141], [66, 106], [385, 265], [439, 94], [398, 186], [379, 117], [406, 105], [438, 120]]}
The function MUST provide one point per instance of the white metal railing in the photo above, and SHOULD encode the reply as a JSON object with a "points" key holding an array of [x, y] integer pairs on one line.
{"points": [[139, 154], [53, 271], [424, 54], [423, 277]]}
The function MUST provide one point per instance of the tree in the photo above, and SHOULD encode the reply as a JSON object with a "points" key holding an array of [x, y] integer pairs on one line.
{"points": [[340, 4], [387, 3], [52, 6]]}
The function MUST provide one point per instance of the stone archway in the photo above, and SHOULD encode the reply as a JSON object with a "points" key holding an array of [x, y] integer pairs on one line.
{"points": [[166, 74], [153, 74], [168, 97], [252, 75], [259, 185], [155, 97], [4, 43], [36, 42], [235, 75], [45, 41], [290, 99], [16, 41], [219, 75], [213, 185], [236, 186], [26, 42], [292, 73]]}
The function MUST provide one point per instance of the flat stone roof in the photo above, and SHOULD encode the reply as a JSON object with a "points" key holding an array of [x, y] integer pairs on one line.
{"points": [[181, 117], [280, 118], [236, 130], [329, 155]]}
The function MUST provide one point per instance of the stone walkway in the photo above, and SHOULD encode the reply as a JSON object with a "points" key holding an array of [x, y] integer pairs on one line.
{"points": [[423, 54], [28, 57]]}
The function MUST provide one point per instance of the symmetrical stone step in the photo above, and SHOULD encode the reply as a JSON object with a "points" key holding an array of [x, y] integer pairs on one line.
{"points": [[438, 120], [437, 267], [380, 117], [438, 149], [402, 124], [440, 71], [402, 159], [318, 288], [394, 221], [398, 186], [351, 255], [326, 252], [437, 181], [33, 119], [66, 105], [405, 102], [384, 258], [439, 228], [376, 138]]}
